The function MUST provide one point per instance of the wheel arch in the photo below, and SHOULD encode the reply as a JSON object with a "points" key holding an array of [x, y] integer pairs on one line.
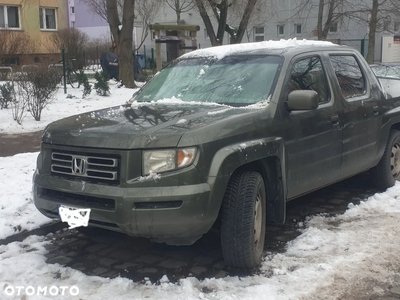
{"points": [[263, 156], [270, 169]]}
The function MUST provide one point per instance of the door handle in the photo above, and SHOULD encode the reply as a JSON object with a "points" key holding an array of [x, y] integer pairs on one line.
{"points": [[335, 119], [376, 110]]}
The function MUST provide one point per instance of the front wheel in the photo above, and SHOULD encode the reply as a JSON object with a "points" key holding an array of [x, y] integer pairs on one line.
{"points": [[243, 220], [387, 171]]}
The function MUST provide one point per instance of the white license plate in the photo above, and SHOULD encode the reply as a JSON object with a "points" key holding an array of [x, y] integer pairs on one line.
{"points": [[75, 217]]}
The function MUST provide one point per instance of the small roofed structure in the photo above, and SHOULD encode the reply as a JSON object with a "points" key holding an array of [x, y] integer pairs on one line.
{"points": [[178, 39]]}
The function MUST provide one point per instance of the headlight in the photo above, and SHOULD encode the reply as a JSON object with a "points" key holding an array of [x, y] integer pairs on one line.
{"points": [[158, 161]]}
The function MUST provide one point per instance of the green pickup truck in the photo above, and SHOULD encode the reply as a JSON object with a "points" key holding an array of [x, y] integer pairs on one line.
{"points": [[223, 136]]}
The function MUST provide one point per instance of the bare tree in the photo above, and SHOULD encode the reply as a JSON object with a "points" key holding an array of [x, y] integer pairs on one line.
{"points": [[330, 12], [120, 15], [369, 13], [99, 7], [122, 30], [375, 14], [73, 41], [221, 11], [145, 11], [180, 6]]}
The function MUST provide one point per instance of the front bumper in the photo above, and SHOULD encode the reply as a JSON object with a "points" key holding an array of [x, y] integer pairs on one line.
{"points": [[160, 213]]}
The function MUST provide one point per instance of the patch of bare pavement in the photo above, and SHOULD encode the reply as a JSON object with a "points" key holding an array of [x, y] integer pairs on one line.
{"points": [[108, 254], [11, 144]]}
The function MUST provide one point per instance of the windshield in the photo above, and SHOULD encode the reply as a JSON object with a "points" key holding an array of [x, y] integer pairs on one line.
{"points": [[233, 80], [386, 71]]}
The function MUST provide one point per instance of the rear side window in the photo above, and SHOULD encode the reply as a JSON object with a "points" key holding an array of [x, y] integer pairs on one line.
{"points": [[349, 75], [308, 74]]}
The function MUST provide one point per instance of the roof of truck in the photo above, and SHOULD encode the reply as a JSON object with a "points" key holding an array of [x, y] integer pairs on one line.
{"points": [[270, 47]]}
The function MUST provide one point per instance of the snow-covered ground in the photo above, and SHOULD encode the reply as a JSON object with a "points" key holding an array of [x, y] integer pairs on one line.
{"points": [[338, 257], [61, 107], [17, 211]]}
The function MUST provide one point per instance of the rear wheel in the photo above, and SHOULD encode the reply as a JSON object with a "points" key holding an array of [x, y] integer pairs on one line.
{"points": [[243, 220], [387, 171]]}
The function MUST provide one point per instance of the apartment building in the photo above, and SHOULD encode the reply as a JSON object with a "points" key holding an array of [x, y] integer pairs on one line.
{"points": [[33, 20], [273, 20]]}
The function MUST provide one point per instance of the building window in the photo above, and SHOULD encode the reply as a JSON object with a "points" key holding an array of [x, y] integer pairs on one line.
{"points": [[396, 26], [386, 25], [48, 19], [206, 36], [333, 27], [280, 30], [9, 17], [73, 24], [9, 61], [72, 9], [259, 34], [297, 29]]}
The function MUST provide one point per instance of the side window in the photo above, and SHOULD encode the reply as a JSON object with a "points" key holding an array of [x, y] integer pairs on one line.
{"points": [[308, 74], [348, 73]]}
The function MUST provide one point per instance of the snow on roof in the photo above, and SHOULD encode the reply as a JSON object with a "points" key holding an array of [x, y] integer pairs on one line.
{"points": [[222, 51]]}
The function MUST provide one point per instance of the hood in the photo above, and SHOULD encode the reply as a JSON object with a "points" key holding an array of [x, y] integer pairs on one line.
{"points": [[135, 127]]}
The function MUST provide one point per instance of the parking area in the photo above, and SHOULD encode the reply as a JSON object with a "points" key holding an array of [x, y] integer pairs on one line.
{"points": [[108, 254]]}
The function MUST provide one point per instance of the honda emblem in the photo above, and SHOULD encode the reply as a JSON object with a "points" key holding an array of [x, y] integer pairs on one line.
{"points": [[78, 166]]}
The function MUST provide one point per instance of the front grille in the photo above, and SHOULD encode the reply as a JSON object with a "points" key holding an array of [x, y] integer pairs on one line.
{"points": [[77, 200], [86, 166]]}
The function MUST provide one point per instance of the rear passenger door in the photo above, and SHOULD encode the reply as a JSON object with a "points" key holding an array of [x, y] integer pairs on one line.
{"points": [[360, 114]]}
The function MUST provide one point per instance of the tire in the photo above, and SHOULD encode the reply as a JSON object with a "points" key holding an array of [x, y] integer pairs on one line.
{"points": [[387, 171], [243, 221]]}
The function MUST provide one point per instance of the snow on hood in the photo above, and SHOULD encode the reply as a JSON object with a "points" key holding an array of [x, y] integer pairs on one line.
{"points": [[222, 51]]}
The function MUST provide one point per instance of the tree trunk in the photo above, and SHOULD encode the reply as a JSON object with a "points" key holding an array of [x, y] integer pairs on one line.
{"points": [[223, 16], [329, 19], [372, 31], [178, 11], [320, 18], [207, 23], [244, 22], [123, 38], [220, 10]]}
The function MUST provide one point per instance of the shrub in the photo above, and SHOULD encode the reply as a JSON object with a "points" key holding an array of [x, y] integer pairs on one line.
{"points": [[101, 84], [6, 94], [19, 108], [37, 86], [83, 79]]}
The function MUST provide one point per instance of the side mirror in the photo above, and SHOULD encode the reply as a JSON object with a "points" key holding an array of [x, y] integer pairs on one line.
{"points": [[302, 100]]}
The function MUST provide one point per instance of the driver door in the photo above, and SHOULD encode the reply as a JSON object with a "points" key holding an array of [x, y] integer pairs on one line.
{"points": [[313, 138]]}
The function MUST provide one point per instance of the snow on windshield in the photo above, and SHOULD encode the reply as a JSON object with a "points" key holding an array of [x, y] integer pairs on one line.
{"points": [[233, 80]]}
